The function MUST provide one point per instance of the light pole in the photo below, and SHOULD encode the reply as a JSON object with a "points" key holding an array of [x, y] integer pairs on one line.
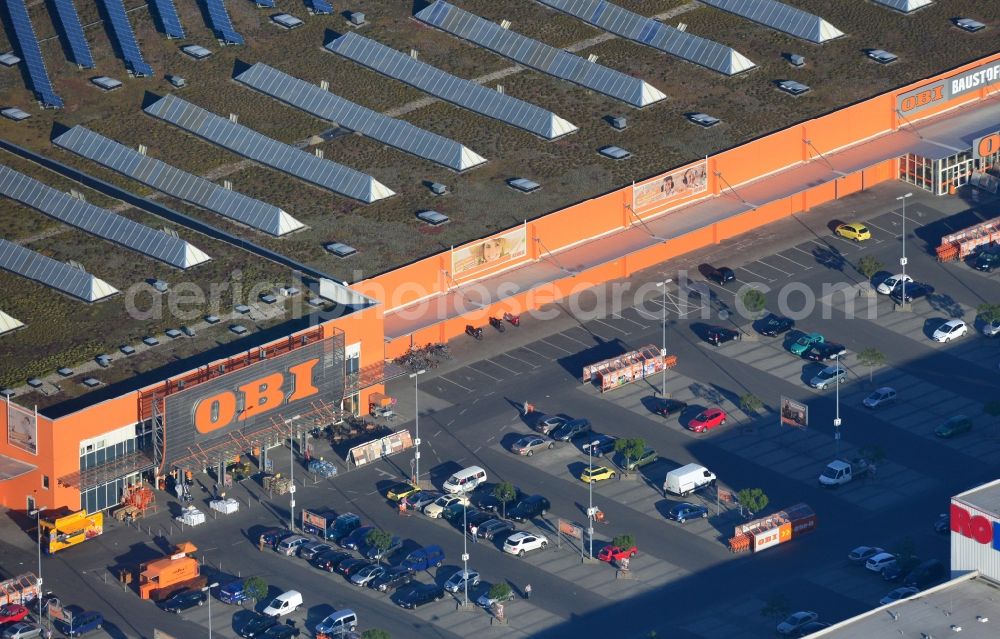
{"points": [[663, 348], [465, 550], [37, 514], [590, 487], [291, 464], [208, 595], [836, 419], [416, 436], [902, 260]]}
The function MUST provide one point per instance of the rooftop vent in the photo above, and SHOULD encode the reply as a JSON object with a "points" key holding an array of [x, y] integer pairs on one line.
{"points": [[242, 309], [614, 152], [212, 319], [524, 185], [13, 113], [703, 119], [796, 60], [268, 298], [340, 250], [619, 123], [173, 333], [65, 371], [103, 360], [150, 341], [159, 285], [91, 382], [437, 188], [239, 329], [34, 382], [357, 18], [433, 218], [127, 350]]}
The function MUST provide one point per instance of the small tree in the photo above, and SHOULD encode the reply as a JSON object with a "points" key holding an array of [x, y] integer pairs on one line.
{"points": [[500, 591], [753, 300], [752, 499], [630, 449], [872, 358], [623, 541], [380, 540], [504, 492], [751, 404], [906, 554], [776, 607], [873, 454], [255, 587], [869, 266], [375, 633], [988, 313]]}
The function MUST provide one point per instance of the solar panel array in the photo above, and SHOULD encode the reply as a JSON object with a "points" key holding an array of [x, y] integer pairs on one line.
{"points": [[632, 26], [32, 54], [464, 93], [260, 148], [168, 16], [326, 105], [70, 21], [177, 183], [53, 273], [319, 6], [539, 56], [222, 25], [781, 17], [97, 221], [905, 6], [122, 29]]}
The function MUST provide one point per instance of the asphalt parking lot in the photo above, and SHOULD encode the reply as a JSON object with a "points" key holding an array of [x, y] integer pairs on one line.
{"points": [[685, 582]]}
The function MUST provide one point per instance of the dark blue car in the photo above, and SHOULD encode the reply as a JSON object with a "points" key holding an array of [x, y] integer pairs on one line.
{"points": [[685, 511]]}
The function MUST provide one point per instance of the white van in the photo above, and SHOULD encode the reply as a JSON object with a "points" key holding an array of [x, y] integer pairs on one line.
{"points": [[465, 480], [284, 603], [687, 479], [337, 623]]}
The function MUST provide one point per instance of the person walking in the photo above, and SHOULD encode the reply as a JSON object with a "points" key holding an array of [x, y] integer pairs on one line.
{"points": [[527, 591], [472, 531]]}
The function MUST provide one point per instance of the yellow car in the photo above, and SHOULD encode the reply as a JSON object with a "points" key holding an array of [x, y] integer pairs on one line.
{"points": [[854, 231], [597, 474], [401, 491]]}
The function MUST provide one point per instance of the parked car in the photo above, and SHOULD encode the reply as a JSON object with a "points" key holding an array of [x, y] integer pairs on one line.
{"points": [[825, 351], [529, 508], [880, 397], [459, 580], [495, 529], [314, 549], [528, 444], [285, 603], [925, 574], [434, 509], [856, 231], [812, 627], [523, 542], [83, 623], [898, 570], [477, 519], [718, 335], [952, 329], [876, 563], [490, 504], [12, 613], [942, 525], [599, 445], [668, 407], [898, 593], [352, 565], [800, 345], [424, 558], [289, 546], [616, 553], [647, 457], [861, 554], [684, 511], [233, 592], [329, 561], [487, 602], [991, 329], [22, 630], [795, 621], [257, 625], [721, 276], [708, 419], [827, 376], [596, 474], [453, 513], [401, 491], [273, 536], [356, 538], [375, 553], [182, 601], [367, 574], [914, 291], [282, 631], [420, 499], [571, 430], [391, 579], [889, 284], [987, 259], [773, 325], [338, 623], [955, 426], [548, 423], [419, 595]]}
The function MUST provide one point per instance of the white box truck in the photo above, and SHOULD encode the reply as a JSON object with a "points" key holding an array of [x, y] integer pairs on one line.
{"points": [[687, 479]]}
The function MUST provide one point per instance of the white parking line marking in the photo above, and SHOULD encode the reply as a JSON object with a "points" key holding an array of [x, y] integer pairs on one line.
{"points": [[629, 320], [758, 276], [772, 267], [468, 390], [535, 352], [554, 346], [613, 327], [503, 367], [792, 261], [496, 379], [803, 252], [523, 361], [574, 339]]}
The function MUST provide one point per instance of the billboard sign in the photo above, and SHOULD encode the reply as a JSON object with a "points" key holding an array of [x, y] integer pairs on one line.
{"points": [[22, 428], [766, 538], [663, 189], [986, 146], [571, 529], [249, 400], [485, 255], [986, 74], [793, 413], [976, 527]]}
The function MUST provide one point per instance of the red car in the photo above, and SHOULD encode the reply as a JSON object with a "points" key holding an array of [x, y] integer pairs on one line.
{"points": [[708, 418], [616, 553], [12, 613]]}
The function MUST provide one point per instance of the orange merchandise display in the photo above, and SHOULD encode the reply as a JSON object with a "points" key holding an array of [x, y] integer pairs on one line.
{"points": [[627, 368], [136, 501], [20, 589], [161, 578], [69, 530], [772, 530], [959, 245]]}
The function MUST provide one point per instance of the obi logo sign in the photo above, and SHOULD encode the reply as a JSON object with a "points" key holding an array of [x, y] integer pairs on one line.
{"points": [[986, 146], [975, 527], [258, 396]]}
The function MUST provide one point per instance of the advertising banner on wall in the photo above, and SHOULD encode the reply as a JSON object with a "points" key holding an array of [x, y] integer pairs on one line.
{"points": [[22, 428], [986, 146], [793, 413], [678, 185], [484, 255], [249, 400], [985, 75]]}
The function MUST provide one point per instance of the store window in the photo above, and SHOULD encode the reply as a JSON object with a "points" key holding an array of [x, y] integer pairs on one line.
{"points": [[45, 482]]}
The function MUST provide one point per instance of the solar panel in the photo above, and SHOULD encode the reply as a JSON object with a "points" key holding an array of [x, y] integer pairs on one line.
{"points": [[319, 6], [32, 54], [905, 6], [260, 148], [326, 105], [781, 17], [177, 183], [97, 221], [632, 26], [168, 17], [70, 21], [125, 37], [221, 24], [53, 273], [539, 56], [464, 93]]}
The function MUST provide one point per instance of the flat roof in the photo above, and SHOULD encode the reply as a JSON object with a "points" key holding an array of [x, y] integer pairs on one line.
{"points": [[963, 603], [985, 498]]}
